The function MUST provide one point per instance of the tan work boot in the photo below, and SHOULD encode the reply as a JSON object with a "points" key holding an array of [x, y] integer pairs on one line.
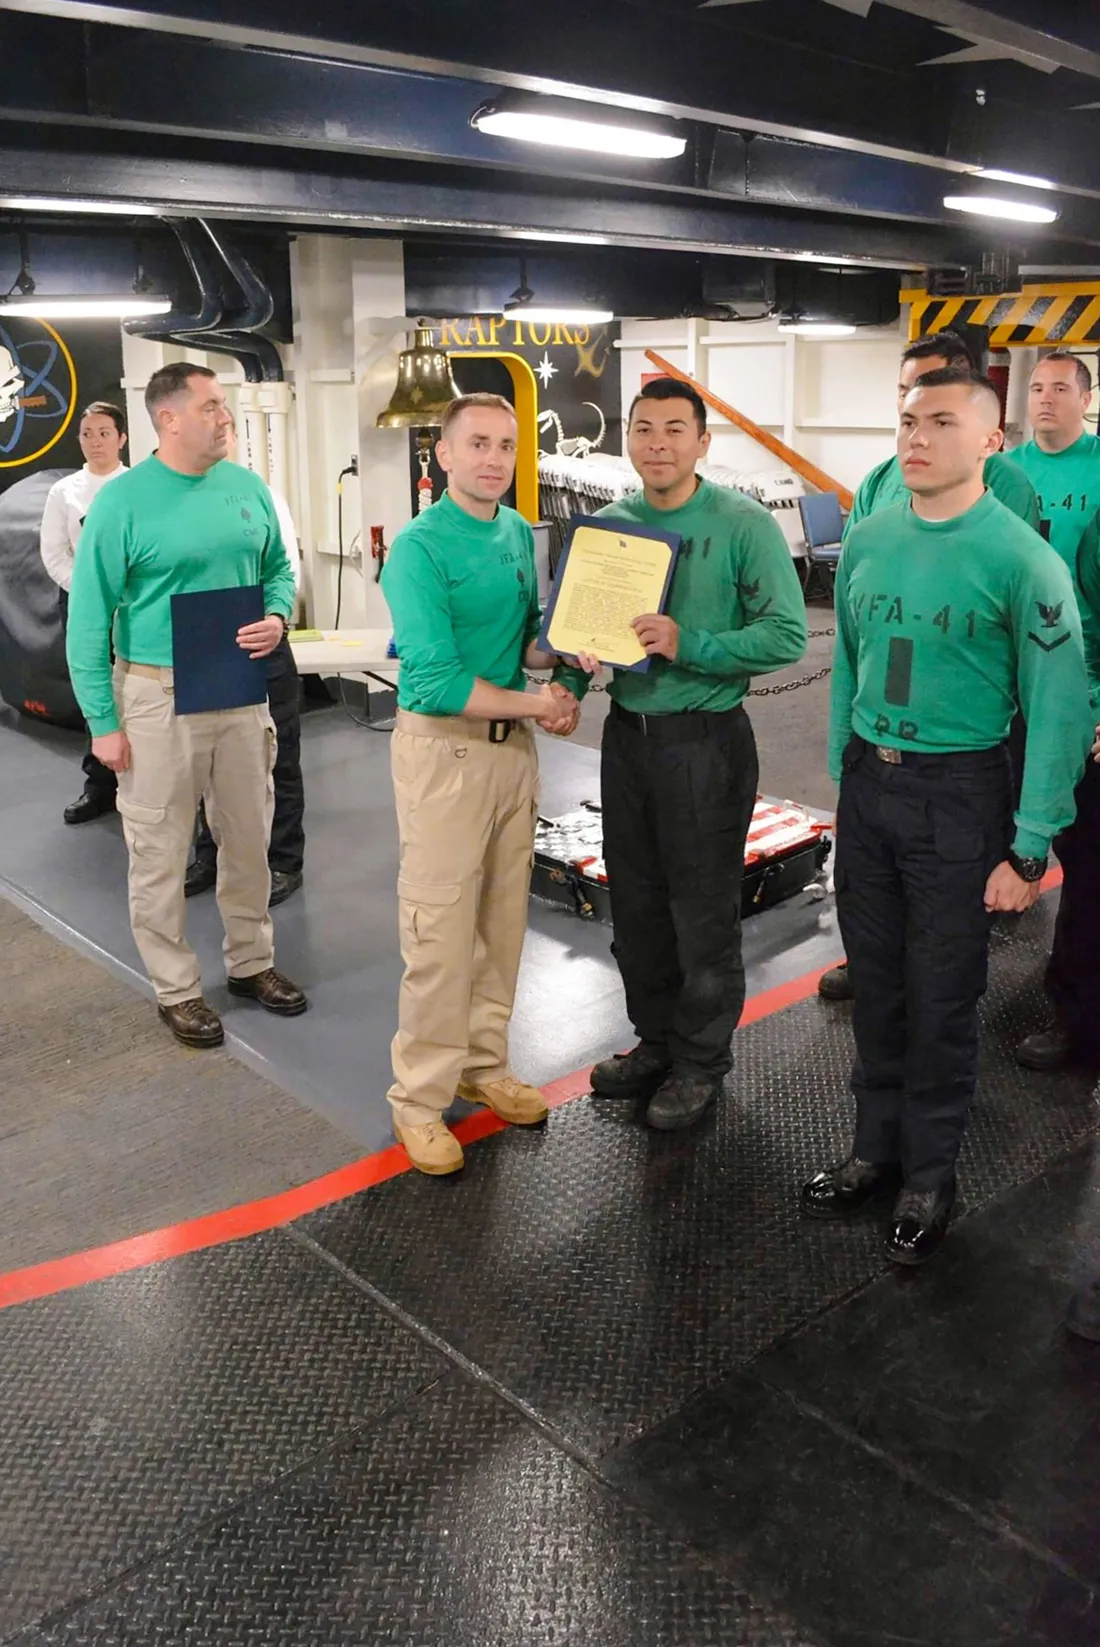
{"points": [[512, 1100], [432, 1148]]}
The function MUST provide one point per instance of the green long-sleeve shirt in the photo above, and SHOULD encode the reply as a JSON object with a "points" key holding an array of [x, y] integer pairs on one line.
{"points": [[1068, 488], [463, 597], [154, 533], [885, 486], [1088, 593], [942, 626], [735, 597]]}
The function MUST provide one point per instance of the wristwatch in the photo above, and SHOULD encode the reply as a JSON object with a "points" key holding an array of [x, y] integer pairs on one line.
{"points": [[1028, 869]]}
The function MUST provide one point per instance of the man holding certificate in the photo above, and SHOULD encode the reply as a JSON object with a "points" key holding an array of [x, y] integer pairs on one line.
{"points": [[679, 767], [461, 586], [182, 559]]}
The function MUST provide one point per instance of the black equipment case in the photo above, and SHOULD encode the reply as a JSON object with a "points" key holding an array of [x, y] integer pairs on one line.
{"points": [[786, 851]]}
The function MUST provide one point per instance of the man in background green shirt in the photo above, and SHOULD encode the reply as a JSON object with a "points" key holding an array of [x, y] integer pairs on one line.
{"points": [[1062, 460], [679, 768], [1073, 974], [461, 587], [950, 613], [885, 486]]}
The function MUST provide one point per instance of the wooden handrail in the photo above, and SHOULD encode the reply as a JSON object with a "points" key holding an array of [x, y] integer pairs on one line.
{"points": [[802, 466]]}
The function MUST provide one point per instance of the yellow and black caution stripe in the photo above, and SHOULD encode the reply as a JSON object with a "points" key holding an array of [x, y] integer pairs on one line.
{"points": [[1063, 313]]}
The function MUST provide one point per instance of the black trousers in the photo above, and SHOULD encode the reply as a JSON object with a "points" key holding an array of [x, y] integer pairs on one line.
{"points": [[98, 779], [677, 804], [916, 844], [286, 851], [1073, 976]]}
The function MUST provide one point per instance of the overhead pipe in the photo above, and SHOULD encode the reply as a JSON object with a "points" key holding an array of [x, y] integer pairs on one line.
{"points": [[265, 413], [234, 333], [209, 312]]}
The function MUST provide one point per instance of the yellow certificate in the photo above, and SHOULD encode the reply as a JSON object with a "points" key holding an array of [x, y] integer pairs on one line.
{"points": [[610, 573]]}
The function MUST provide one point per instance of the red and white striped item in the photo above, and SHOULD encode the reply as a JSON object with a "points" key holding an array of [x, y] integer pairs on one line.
{"points": [[778, 828]]}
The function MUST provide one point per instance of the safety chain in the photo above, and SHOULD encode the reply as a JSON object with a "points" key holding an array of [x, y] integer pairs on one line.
{"points": [[789, 686]]}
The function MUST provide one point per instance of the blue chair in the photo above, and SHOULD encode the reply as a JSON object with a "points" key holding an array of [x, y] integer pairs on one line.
{"points": [[823, 529]]}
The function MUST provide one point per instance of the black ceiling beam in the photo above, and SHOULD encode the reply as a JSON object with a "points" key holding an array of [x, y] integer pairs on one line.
{"points": [[667, 56], [1064, 34], [64, 74], [404, 204]]}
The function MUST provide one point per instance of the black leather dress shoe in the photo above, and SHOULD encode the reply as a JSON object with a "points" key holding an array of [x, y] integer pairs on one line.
{"points": [[919, 1226], [635, 1074], [283, 883], [1047, 1049], [193, 1023], [681, 1101], [1083, 1315], [92, 804], [836, 984], [272, 991], [847, 1190], [200, 877]]}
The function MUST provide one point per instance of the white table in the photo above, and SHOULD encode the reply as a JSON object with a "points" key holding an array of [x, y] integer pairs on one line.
{"points": [[347, 652]]}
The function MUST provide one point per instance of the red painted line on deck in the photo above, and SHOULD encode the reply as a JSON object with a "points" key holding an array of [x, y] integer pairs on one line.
{"points": [[253, 1217]]}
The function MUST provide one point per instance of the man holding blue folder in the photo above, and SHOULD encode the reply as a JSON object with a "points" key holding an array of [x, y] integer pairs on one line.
{"points": [[181, 718]]}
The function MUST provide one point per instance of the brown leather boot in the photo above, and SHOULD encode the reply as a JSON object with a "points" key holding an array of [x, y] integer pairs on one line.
{"points": [[272, 991], [193, 1023]]}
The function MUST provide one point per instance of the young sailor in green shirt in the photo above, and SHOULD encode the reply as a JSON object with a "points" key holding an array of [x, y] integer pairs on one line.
{"points": [[461, 587], [679, 767], [885, 486], [950, 612]]}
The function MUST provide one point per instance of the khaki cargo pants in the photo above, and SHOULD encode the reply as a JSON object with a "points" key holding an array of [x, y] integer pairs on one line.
{"points": [[466, 814], [226, 758]]}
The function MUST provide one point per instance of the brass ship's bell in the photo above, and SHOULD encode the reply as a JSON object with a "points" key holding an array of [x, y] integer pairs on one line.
{"points": [[425, 387]]}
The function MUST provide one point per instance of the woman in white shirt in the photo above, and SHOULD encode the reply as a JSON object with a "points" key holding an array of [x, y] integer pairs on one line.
{"points": [[102, 440]]}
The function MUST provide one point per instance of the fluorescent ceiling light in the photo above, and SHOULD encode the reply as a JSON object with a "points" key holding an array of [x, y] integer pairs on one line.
{"points": [[558, 314], [40, 203], [1011, 211], [563, 235], [1021, 178], [816, 328], [48, 307], [569, 131]]}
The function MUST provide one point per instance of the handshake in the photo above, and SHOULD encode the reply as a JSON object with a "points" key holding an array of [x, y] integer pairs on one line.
{"points": [[562, 711]]}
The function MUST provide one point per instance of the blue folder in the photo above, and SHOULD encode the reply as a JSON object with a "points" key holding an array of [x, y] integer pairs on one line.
{"points": [[211, 670]]}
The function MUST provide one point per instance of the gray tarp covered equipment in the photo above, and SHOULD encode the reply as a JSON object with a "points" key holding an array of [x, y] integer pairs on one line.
{"points": [[34, 677]]}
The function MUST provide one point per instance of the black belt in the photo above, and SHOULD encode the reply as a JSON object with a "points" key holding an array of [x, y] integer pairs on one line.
{"points": [[890, 756], [685, 727], [500, 731]]}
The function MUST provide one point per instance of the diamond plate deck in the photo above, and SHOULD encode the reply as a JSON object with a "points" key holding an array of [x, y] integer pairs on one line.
{"points": [[876, 1556], [452, 1523], [644, 1266], [135, 1409]]}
